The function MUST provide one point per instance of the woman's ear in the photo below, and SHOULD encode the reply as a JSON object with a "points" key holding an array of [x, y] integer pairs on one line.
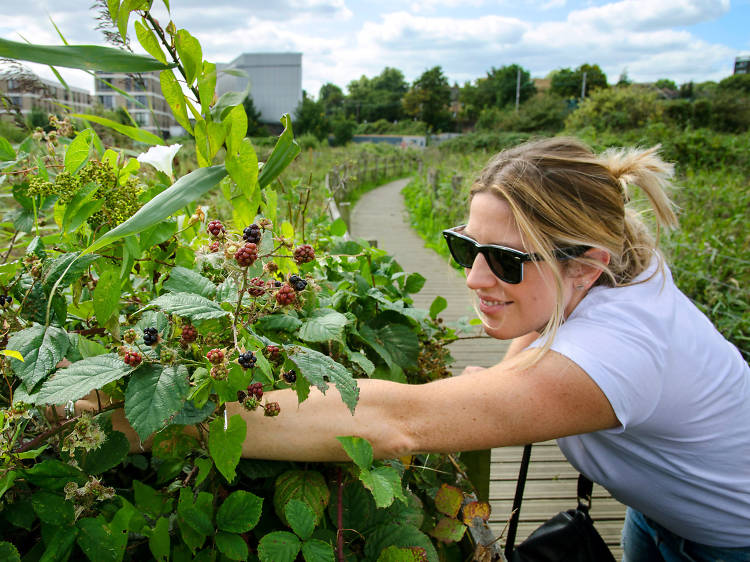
{"points": [[585, 274]]}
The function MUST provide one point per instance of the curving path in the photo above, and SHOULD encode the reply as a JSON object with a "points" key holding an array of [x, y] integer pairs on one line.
{"points": [[380, 215]]}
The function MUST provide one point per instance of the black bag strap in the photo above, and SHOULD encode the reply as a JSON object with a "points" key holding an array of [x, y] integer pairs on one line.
{"points": [[585, 489]]}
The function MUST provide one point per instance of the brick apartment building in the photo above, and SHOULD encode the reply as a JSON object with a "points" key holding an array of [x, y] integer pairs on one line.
{"points": [[27, 92]]}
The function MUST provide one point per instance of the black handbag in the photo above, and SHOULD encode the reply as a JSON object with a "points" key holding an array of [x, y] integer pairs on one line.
{"points": [[569, 536]]}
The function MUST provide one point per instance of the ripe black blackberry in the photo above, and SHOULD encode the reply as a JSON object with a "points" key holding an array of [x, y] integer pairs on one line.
{"points": [[285, 295], [5, 301], [215, 228], [297, 283], [247, 360], [304, 253], [150, 336], [289, 376], [246, 255], [252, 234]]}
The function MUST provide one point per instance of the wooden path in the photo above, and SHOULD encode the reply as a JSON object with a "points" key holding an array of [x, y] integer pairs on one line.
{"points": [[551, 483]]}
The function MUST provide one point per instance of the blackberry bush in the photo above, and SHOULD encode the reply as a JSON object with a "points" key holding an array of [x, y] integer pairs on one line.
{"points": [[304, 254], [246, 255]]}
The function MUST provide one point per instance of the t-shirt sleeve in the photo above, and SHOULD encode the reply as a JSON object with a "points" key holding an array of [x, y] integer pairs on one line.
{"points": [[619, 350]]}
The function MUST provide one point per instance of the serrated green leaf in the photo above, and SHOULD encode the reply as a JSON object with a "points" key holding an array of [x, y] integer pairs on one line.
{"points": [[149, 42], [359, 450], [159, 541], [396, 343], [225, 447], [154, 395], [99, 541], [190, 53], [59, 542], [278, 546], [175, 98], [361, 359], [6, 151], [52, 508], [140, 135], [284, 152], [300, 518], [150, 501], [42, 349], [323, 325], [307, 486], [402, 554], [278, 323], [315, 550], [189, 305], [240, 512], [385, 484], [232, 546], [338, 227], [8, 552], [318, 369], [81, 378], [78, 151], [243, 169], [448, 530], [438, 305], [84, 57], [182, 280], [112, 452], [396, 534], [52, 474], [448, 500], [183, 192], [107, 295], [65, 269], [414, 283]]}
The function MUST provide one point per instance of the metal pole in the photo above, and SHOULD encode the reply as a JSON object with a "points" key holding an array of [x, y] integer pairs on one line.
{"points": [[518, 87], [583, 86]]}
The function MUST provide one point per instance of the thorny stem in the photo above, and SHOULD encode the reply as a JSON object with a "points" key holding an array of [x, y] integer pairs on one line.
{"points": [[172, 52], [239, 304], [10, 248]]}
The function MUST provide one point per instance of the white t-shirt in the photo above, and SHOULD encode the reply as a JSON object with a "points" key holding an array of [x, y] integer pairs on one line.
{"points": [[682, 395]]}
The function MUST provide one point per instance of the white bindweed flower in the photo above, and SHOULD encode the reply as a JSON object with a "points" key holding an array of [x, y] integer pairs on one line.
{"points": [[160, 157]]}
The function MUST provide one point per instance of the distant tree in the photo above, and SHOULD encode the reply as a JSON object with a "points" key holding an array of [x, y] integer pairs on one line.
{"points": [[343, 130], [429, 100], [254, 127], [568, 83], [624, 79], [310, 118], [379, 97], [666, 84], [332, 98], [498, 88], [739, 83]]}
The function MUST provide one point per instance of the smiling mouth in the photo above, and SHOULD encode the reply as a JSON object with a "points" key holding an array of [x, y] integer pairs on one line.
{"points": [[489, 302]]}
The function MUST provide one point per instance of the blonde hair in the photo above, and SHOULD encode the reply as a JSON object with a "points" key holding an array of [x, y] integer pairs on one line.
{"points": [[562, 194]]}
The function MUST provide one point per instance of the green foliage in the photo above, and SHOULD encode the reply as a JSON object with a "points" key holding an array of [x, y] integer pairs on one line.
{"points": [[310, 118], [568, 83], [429, 98], [616, 109], [498, 89]]}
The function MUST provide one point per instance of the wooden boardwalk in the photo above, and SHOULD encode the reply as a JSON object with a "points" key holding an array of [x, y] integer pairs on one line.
{"points": [[551, 484]]}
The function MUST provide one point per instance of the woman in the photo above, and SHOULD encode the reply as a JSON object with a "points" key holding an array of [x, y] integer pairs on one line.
{"points": [[645, 396]]}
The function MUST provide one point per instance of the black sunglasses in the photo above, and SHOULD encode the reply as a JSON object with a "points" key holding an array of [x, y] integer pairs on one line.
{"points": [[505, 263]]}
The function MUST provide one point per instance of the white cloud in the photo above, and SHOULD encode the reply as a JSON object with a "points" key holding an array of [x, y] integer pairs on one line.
{"points": [[648, 14]]}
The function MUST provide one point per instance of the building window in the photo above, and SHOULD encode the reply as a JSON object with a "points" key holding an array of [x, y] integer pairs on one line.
{"points": [[141, 99], [107, 102], [141, 119], [102, 85], [15, 100]]}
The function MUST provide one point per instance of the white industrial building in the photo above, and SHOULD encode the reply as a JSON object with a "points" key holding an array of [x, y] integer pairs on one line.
{"points": [[275, 82]]}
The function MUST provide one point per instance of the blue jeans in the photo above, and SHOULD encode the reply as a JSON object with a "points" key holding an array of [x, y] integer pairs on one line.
{"points": [[644, 540]]}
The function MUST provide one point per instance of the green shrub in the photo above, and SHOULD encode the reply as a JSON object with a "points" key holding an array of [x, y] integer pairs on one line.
{"points": [[483, 141], [616, 109]]}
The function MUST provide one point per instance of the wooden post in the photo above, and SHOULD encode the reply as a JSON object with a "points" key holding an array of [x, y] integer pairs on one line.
{"points": [[456, 183], [432, 179]]}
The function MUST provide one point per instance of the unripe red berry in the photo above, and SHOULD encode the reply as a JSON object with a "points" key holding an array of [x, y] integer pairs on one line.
{"points": [[257, 287], [272, 409], [130, 336], [255, 390], [189, 333], [215, 228], [215, 356], [214, 246], [246, 255], [132, 358], [285, 295], [304, 253], [219, 372]]}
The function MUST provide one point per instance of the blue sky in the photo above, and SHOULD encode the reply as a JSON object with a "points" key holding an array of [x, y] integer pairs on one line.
{"points": [[342, 40]]}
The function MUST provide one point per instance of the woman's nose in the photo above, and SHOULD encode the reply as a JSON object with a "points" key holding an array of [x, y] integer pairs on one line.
{"points": [[480, 275]]}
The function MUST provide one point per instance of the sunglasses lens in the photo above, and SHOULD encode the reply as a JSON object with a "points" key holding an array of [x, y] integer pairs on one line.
{"points": [[504, 266], [462, 250]]}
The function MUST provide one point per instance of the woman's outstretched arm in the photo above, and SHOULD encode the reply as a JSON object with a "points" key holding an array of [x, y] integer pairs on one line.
{"points": [[490, 408]]}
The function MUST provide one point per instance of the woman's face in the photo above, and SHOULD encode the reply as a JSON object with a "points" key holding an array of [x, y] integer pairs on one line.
{"points": [[509, 310]]}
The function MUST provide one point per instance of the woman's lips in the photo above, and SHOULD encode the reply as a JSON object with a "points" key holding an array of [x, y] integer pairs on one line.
{"points": [[488, 306]]}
